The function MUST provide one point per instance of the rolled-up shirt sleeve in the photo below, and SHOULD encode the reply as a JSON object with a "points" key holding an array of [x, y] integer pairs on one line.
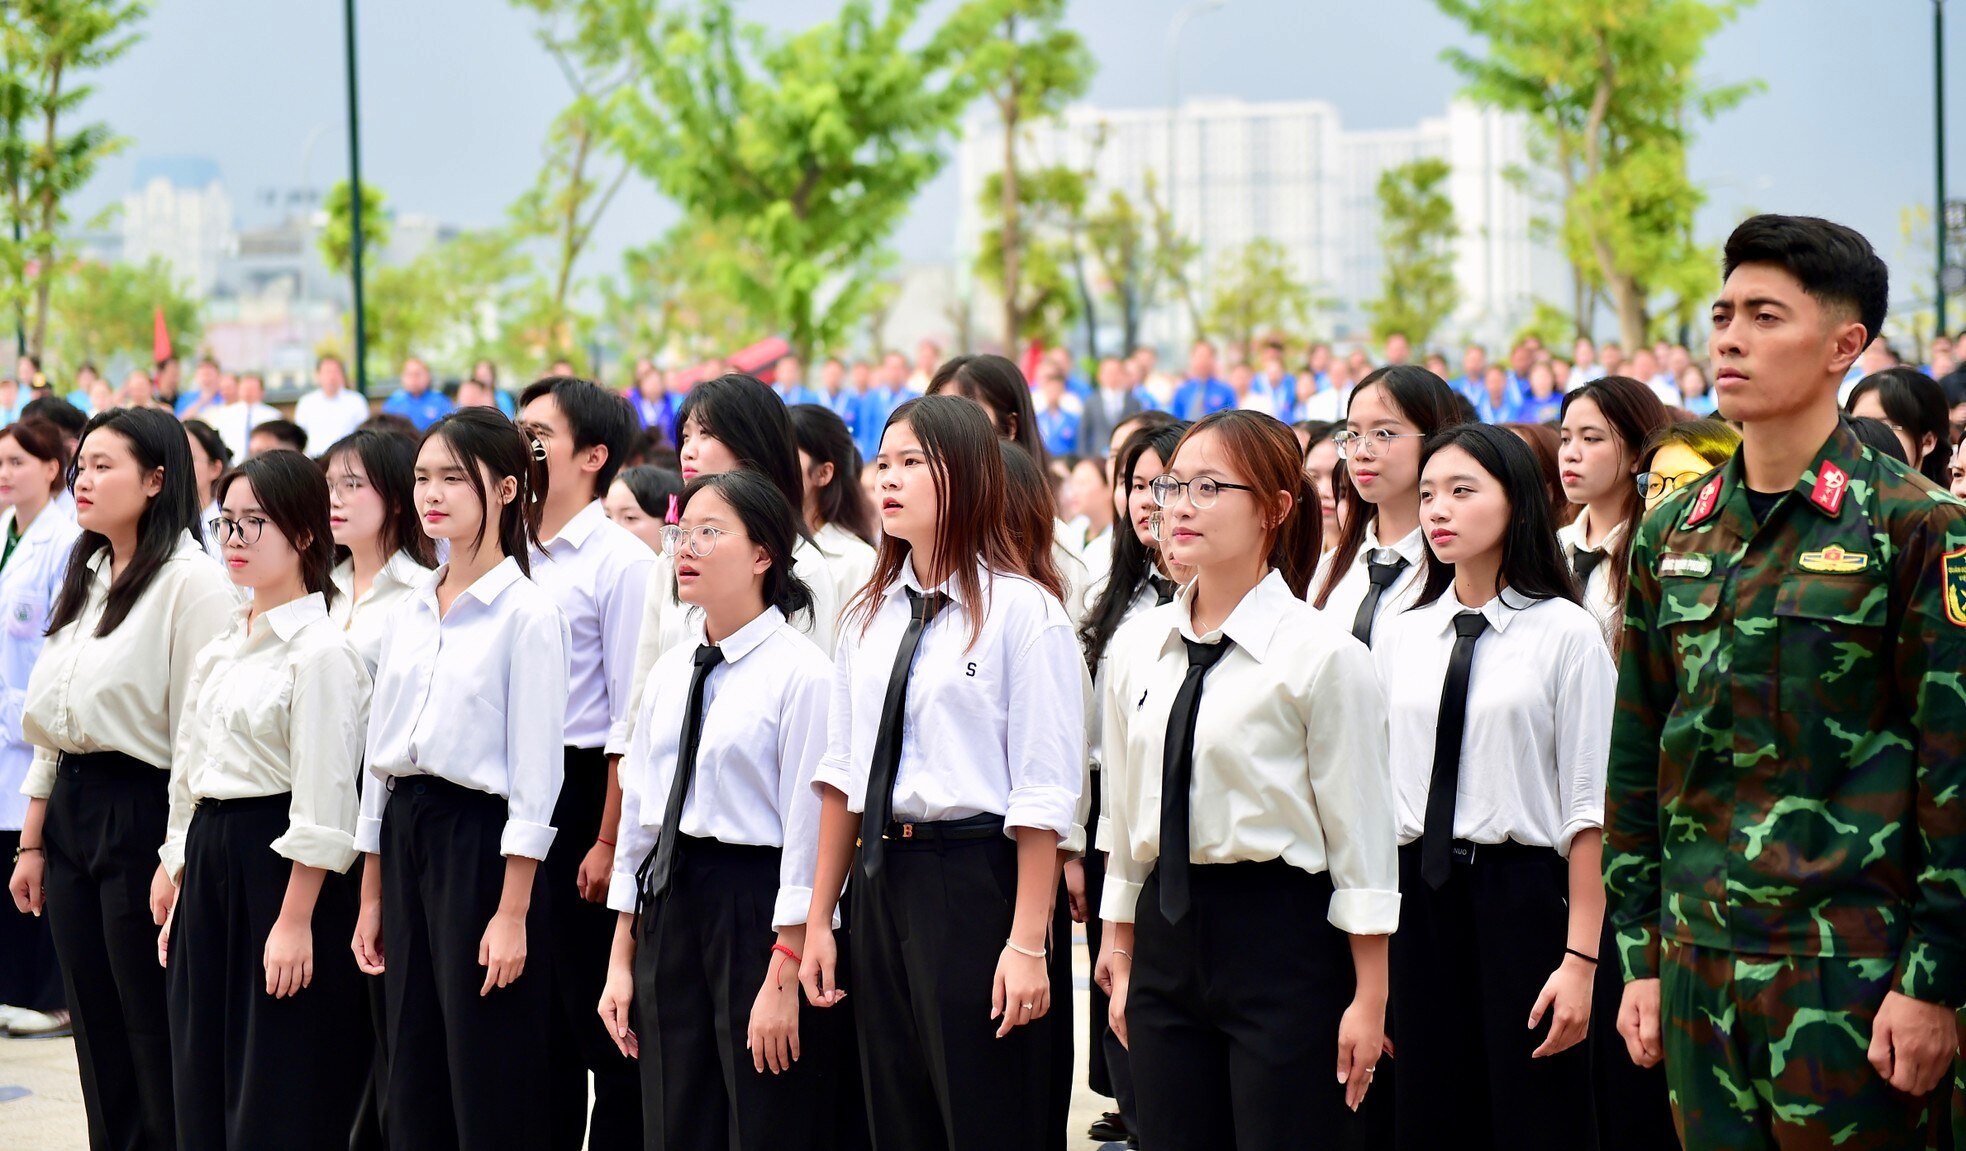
{"points": [[1045, 738], [535, 725], [835, 769], [1586, 697], [633, 839], [802, 743], [1121, 776], [1351, 784], [328, 721]]}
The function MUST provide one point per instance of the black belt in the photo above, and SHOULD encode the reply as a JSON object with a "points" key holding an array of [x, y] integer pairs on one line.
{"points": [[1465, 854], [243, 803], [974, 827], [437, 785], [106, 765]]}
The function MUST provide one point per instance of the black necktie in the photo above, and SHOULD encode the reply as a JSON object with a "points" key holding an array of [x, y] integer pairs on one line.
{"points": [[1583, 563], [1177, 778], [879, 805], [1383, 576], [663, 867], [1164, 589], [1437, 840]]}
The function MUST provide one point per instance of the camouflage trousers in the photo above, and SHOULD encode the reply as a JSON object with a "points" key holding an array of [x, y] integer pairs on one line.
{"points": [[1772, 1051]]}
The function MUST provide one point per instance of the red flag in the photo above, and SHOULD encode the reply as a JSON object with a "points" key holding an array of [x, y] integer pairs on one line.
{"points": [[160, 338]]}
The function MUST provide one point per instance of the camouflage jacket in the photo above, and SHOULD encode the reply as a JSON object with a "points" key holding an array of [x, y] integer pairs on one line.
{"points": [[1786, 760]]}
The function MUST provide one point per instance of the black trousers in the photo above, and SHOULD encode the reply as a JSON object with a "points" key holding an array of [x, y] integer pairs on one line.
{"points": [[581, 935], [927, 935], [1233, 1013], [368, 1115], [1106, 1070], [701, 955], [1633, 1112], [1468, 962], [250, 1070], [1058, 965], [105, 821], [466, 1070], [30, 976]]}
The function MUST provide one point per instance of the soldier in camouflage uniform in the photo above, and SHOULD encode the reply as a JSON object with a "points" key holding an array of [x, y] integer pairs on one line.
{"points": [[1786, 856]]}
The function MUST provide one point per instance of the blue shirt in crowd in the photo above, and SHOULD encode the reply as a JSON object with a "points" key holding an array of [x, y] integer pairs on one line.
{"points": [[422, 410], [1059, 429], [1197, 398]]}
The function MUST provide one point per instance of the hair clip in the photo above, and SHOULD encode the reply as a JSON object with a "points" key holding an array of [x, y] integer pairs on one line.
{"points": [[673, 514], [539, 451]]}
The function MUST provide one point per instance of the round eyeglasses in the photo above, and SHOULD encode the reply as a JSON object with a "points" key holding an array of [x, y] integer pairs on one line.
{"points": [[246, 531], [1202, 491], [1652, 485], [1356, 444], [701, 540]]}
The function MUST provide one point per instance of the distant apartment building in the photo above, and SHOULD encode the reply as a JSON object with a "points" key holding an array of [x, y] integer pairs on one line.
{"points": [[179, 211]]}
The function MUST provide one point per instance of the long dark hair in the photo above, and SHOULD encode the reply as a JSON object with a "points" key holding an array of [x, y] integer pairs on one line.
{"points": [[482, 437], [1266, 451], [1426, 402], [1133, 561], [750, 420], [1031, 512], [1543, 443], [292, 492], [998, 385], [389, 462], [1532, 563], [972, 523], [770, 522], [1913, 401], [1635, 415], [823, 436], [157, 441]]}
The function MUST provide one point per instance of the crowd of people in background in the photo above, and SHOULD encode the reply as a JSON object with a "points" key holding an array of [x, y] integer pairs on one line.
{"points": [[542, 770]]}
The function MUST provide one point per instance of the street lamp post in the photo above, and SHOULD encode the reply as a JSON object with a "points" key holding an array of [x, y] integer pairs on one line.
{"points": [[1181, 19], [355, 202], [1939, 150]]}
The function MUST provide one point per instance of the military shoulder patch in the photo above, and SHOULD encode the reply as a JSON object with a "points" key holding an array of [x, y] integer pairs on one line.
{"points": [[1684, 564], [1833, 560], [1953, 571]]}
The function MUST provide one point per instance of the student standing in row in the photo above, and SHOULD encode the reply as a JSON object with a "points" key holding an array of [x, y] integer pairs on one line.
{"points": [[138, 600], [1253, 879], [39, 529], [1606, 425], [464, 758], [954, 756], [1376, 563], [836, 510], [719, 833], [1140, 578], [1499, 690], [598, 574], [269, 1041], [643, 500]]}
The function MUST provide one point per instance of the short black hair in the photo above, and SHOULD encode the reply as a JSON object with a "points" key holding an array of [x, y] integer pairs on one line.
{"points": [[595, 416], [1834, 264], [216, 449], [62, 414], [286, 431]]}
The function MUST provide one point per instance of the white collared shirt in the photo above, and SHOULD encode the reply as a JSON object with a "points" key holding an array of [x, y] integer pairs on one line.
{"points": [[1289, 752], [326, 419], [1610, 613], [1072, 572], [214, 542], [1538, 730], [477, 696], [598, 573], [849, 559], [124, 691], [281, 708], [1356, 580], [764, 729], [667, 621], [994, 728], [28, 586], [365, 620], [234, 423]]}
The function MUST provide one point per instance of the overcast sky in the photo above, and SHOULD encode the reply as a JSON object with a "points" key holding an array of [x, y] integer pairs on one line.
{"points": [[456, 99]]}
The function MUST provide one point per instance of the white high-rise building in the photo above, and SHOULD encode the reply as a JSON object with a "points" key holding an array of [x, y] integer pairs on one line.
{"points": [[180, 212], [1289, 171]]}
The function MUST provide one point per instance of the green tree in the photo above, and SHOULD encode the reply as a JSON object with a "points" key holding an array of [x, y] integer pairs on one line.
{"points": [[46, 46], [1029, 66], [1045, 298], [465, 298], [670, 297], [97, 311], [1611, 93], [1417, 233], [1137, 253], [810, 147], [1256, 288], [337, 237]]}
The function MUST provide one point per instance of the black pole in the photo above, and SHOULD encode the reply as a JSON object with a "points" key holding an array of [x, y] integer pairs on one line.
{"points": [[355, 203], [20, 313], [1939, 148]]}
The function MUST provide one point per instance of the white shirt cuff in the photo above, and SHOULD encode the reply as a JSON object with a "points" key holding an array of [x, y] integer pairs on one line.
{"points": [[1052, 809], [1117, 902], [621, 892], [171, 855], [40, 775], [310, 845], [837, 776], [368, 833], [1570, 832], [530, 840], [1358, 911]]}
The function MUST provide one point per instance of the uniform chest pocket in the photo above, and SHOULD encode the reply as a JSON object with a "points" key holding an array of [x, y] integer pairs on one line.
{"points": [[1687, 614], [1834, 627], [258, 710]]}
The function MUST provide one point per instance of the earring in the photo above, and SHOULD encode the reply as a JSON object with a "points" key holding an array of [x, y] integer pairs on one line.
{"points": [[539, 451]]}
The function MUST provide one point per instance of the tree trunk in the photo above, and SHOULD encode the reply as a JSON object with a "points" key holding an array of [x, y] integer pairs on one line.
{"points": [[1086, 302], [1580, 300], [1630, 297]]}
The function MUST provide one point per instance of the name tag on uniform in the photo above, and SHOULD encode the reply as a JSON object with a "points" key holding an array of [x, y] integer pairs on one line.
{"points": [[1685, 564], [1833, 560]]}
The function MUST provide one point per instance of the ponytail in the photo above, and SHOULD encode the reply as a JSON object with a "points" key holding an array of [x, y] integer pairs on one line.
{"points": [[1299, 539]]}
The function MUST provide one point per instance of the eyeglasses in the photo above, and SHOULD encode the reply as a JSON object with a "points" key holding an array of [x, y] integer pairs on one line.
{"points": [[1352, 444], [701, 539], [1202, 491], [1652, 485], [246, 531]]}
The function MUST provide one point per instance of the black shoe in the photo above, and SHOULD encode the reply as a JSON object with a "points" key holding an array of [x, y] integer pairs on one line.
{"points": [[1109, 1128]]}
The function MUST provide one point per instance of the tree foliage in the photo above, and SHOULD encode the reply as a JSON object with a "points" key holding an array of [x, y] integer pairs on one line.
{"points": [[1137, 253], [1255, 288], [1417, 233], [100, 311], [1612, 95], [1045, 299], [670, 296], [337, 237]]}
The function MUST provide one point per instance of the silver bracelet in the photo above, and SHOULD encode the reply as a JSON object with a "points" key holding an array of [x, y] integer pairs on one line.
{"points": [[1122, 951], [1023, 950]]}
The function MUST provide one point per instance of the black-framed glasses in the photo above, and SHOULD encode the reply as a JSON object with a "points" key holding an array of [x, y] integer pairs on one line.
{"points": [[701, 540], [1202, 491], [1369, 443], [1652, 485], [247, 531]]}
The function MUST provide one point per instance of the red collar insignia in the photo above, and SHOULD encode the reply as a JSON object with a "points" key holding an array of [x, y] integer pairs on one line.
{"points": [[1831, 485], [1706, 503]]}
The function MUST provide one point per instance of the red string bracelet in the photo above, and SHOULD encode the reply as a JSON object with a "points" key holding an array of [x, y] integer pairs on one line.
{"points": [[609, 842], [781, 949]]}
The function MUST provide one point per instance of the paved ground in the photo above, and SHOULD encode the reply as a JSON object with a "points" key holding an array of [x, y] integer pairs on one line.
{"points": [[50, 1117]]}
